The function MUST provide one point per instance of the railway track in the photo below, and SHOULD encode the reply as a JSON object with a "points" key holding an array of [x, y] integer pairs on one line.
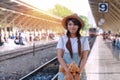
{"points": [[46, 71], [25, 51]]}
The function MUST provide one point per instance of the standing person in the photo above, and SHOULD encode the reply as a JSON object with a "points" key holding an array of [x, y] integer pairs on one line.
{"points": [[72, 46]]}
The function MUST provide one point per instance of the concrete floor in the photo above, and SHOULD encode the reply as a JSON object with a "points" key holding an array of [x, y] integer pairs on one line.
{"points": [[103, 62]]}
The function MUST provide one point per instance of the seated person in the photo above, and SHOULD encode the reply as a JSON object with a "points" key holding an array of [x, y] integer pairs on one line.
{"points": [[16, 40]]}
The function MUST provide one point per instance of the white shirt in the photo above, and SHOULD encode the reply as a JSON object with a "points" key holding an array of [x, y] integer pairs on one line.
{"points": [[63, 40]]}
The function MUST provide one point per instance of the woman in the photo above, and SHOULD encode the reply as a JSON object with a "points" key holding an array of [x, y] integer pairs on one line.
{"points": [[72, 47]]}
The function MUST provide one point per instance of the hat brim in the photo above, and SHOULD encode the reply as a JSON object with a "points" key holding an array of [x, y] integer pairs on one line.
{"points": [[72, 16]]}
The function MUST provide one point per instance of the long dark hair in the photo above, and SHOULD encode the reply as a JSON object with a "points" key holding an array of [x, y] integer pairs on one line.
{"points": [[78, 35]]}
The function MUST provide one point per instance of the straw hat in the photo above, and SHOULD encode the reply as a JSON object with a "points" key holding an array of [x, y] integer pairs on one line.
{"points": [[72, 16]]}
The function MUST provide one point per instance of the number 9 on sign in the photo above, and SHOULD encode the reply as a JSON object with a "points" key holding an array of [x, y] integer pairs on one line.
{"points": [[103, 7]]}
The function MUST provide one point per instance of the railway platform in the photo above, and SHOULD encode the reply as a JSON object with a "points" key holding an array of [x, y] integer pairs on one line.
{"points": [[103, 62], [11, 46]]}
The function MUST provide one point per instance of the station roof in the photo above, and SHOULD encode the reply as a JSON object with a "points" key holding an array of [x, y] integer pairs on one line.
{"points": [[21, 13], [106, 14]]}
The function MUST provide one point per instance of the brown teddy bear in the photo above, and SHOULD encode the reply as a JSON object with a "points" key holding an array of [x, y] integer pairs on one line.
{"points": [[73, 68]]}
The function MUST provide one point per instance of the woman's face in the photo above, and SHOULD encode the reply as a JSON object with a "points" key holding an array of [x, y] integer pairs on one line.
{"points": [[72, 27]]}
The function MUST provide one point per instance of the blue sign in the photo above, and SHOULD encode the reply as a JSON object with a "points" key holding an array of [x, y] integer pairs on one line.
{"points": [[103, 7]]}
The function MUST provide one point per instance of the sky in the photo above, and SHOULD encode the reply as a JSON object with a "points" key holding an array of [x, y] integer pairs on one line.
{"points": [[81, 7]]}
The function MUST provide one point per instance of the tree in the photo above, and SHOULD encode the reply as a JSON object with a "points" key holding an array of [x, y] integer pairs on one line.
{"points": [[60, 11], [86, 26]]}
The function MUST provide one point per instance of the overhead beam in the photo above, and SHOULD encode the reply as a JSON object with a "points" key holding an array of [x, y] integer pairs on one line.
{"points": [[32, 16], [13, 20]]}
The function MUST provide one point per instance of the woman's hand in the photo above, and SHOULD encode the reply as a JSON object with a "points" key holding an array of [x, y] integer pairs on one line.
{"points": [[77, 76]]}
